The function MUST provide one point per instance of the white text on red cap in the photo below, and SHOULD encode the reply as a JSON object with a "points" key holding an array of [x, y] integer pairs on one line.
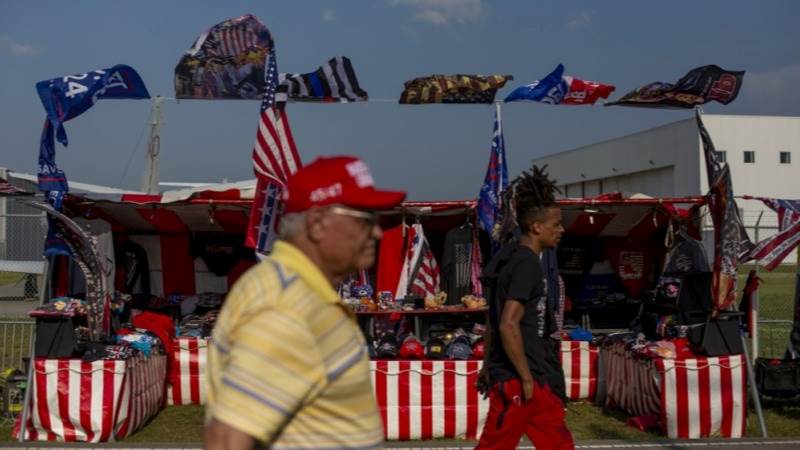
{"points": [[360, 172], [324, 193]]}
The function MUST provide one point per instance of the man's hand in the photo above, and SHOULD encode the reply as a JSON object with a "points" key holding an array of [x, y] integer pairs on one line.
{"points": [[482, 384], [527, 389]]}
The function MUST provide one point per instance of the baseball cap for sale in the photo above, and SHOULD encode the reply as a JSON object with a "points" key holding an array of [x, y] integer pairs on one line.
{"points": [[412, 348], [343, 180]]}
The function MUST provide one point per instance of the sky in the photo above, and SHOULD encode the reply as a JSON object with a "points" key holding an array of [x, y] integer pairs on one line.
{"points": [[435, 152]]}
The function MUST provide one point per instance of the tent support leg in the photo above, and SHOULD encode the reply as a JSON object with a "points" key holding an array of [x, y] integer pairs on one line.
{"points": [[751, 376], [44, 295]]}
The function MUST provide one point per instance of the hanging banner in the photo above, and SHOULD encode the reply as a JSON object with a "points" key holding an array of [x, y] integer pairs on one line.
{"points": [[452, 89], [701, 85], [225, 62], [559, 89], [334, 82]]}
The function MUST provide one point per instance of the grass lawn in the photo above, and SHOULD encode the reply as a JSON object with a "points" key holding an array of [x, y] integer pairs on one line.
{"points": [[775, 303], [182, 424], [10, 278]]}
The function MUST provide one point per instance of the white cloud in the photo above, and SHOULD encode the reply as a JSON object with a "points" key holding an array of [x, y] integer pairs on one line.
{"points": [[444, 12], [773, 91], [17, 49], [328, 16], [581, 21]]}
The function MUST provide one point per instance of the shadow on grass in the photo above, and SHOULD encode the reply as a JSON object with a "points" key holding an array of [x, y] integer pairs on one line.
{"points": [[590, 422]]}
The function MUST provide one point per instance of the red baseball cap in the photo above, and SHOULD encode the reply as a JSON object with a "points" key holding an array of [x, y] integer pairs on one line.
{"points": [[343, 180]]}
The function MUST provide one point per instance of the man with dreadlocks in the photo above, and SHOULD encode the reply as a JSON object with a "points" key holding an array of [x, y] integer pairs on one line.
{"points": [[522, 374]]}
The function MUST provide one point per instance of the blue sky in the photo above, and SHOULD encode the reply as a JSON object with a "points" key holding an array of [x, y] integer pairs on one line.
{"points": [[435, 151]]}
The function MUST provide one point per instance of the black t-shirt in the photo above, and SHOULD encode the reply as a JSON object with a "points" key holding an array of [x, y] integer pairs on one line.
{"points": [[519, 277]]}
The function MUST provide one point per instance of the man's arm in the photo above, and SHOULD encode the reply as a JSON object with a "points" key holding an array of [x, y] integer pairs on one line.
{"points": [[511, 337], [220, 436]]}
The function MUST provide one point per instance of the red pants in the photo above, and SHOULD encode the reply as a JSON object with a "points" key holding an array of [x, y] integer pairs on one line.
{"points": [[541, 418]]}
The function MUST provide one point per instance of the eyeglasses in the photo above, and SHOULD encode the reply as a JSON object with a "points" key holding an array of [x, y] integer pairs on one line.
{"points": [[368, 218]]}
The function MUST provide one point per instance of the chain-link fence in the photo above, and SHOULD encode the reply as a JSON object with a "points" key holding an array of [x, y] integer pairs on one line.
{"points": [[22, 233], [776, 292], [15, 343]]}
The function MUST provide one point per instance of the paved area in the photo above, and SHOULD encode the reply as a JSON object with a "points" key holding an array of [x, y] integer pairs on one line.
{"points": [[15, 308], [737, 444]]}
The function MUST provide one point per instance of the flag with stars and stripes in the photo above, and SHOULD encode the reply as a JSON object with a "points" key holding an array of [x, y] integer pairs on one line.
{"points": [[334, 82], [771, 251], [495, 182], [275, 158], [227, 61], [730, 237], [420, 273]]}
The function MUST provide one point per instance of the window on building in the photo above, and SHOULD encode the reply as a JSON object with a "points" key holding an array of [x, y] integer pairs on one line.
{"points": [[600, 187], [786, 157], [722, 156], [749, 156]]}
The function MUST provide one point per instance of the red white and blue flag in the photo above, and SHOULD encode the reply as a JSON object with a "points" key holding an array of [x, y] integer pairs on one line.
{"points": [[420, 273], [559, 89], [771, 251], [275, 158], [731, 242], [495, 181]]}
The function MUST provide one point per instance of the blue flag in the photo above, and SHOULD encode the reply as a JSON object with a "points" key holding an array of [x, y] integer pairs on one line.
{"points": [[65, 98], [550, 89], [495, 182]]}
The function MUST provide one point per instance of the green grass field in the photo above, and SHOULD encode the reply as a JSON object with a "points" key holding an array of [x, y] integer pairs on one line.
{"points": [[184, 424], [7, 278]]}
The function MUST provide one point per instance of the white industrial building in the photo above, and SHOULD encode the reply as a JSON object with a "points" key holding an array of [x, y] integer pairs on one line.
{"points": [[667, 161]]}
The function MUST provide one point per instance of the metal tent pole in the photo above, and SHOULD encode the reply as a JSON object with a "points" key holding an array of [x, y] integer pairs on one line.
{"points": [[754, 331], [753, 388], [44, 295]]}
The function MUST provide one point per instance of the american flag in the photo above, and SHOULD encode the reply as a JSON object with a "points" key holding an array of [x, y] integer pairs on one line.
{"points": [[420, 265], [495, 182], [730, 237], [7, 188], [275, 157], [772, 250]]}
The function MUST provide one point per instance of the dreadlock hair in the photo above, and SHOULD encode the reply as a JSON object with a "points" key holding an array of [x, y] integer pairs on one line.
{"points": [[526, 200]]}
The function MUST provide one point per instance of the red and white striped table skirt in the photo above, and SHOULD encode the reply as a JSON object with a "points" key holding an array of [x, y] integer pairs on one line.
{"points": [[100, 401], [437, 399], [694, 398], [579, 362], [429, 399], [189, 359]]}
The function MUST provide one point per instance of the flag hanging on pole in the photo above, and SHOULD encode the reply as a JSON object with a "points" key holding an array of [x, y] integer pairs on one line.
{"points": [[275, 158], [495, 181], [730, 237]]}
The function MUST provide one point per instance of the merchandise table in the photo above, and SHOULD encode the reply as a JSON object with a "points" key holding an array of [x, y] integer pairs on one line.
{"points": [[99, 401], [417, 399], [189, 361], [692, 397]]}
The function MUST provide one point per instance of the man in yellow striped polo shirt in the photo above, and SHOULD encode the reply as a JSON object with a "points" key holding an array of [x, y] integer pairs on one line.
{"points": [[287, 368]]}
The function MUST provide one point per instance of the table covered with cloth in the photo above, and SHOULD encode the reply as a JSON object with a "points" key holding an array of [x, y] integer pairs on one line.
{"points": [[691, 397], [77, 401]]}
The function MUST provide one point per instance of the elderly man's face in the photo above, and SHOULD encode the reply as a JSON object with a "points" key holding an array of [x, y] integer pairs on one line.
{"points": [[350, 239]]}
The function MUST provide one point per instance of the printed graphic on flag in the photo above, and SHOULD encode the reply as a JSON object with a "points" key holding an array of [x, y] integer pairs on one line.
{"points": [[495, 181], [730, 237], [773, 250]]}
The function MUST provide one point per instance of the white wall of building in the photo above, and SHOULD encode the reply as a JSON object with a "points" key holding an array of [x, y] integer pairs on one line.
{"points": [[667, 161]]}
